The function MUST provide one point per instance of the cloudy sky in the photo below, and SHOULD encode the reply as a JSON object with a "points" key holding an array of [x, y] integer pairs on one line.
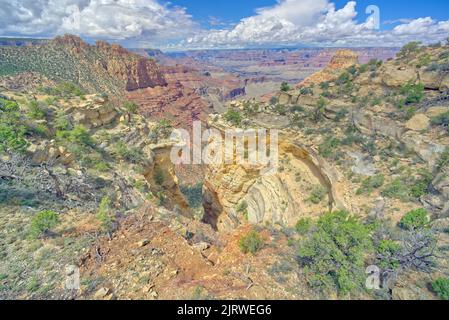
{"points": [[191, 24]]}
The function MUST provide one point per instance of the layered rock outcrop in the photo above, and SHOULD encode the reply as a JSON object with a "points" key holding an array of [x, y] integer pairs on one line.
{"points": [[342, 60], [240, 193], [96, 68]]}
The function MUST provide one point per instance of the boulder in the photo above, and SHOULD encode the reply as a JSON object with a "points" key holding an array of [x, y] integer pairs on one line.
{"points": [[143, 243], [394, 76], [42, 152], [426, 149], [430, 80], [284, 98], [419, 122], [101, 293], [201, 246], [444, 83], [436, 111], [368, 122], [362, 165]]}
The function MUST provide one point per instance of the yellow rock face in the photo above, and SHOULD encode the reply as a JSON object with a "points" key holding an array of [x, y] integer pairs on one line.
{"points": [[342, 60], [283, 197], [418, 123]]}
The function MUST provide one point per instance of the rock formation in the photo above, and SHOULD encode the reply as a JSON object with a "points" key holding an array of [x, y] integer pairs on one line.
{"points": [[282, 197], [342, 60], [99, 68]]}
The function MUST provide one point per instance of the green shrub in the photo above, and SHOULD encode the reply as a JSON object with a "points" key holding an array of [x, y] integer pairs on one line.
{"points": [[194, 195], [33, 285], [415, 219], [35, 111], [324, 86], [387, 251], [333, 254], [12, 137], [250, 109], [233, 117], [344, 78], [67, 89], [8, 106], [51, 101], [413, 93], [409, 49], [164, 128], [363, 68], [340, 115], [134, 155], [297, 108], [242, 206], [306, 91], [160, 198], [397, 189], [320, 109], [42, 223], [441, 288], [409, 188], [101, 166], [420, 186], [62, 123], [373, 64], [352, 137], [280, 109], [318, 194], [376, 102], [251, 243], [41, 130], [159, 177], [303, 226], [79, 135], [328, 147], [104, 215], [370, 184], [424, 61], [285, 87], [130, 107], [352, 70]]}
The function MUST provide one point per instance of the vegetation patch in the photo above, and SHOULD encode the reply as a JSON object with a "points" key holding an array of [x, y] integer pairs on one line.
{"points": [[370, 184], [233, 117], [334, 252], [441, 288], [251, 243], [416, 219], [42, 223]]}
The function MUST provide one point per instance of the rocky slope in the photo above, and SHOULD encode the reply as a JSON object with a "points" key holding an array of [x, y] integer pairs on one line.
{"points": [[372, 139], [103, 68], [100, 68], [342, 60]]}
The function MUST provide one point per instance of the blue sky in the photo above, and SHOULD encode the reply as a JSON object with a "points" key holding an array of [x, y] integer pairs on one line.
{"points": [[216, 24], [391, 10]]}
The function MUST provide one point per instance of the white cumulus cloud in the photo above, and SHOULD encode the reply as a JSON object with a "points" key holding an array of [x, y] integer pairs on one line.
{"points": [[317, 22], [145, 20], [151, 23]]}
